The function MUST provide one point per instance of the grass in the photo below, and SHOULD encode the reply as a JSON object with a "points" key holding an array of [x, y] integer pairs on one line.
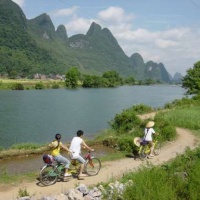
{"points": [[7, 84], [154, 182], [7, 179], [184, 117]]}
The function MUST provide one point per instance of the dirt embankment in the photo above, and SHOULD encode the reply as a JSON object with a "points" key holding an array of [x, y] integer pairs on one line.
{"points": [[113, 169]]}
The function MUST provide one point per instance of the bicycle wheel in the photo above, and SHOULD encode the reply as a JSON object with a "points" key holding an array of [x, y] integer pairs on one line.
{"points": [[48, 175], [157, 148], [142, 152], [92, 166]]}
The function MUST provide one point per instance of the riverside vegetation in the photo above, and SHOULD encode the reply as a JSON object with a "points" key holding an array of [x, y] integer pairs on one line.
{"points": [[120, 136], [179, 178]]}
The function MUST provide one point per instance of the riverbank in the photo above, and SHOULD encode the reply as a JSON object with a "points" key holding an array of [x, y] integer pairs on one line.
{"points": [[28, 84], [110, 170]]}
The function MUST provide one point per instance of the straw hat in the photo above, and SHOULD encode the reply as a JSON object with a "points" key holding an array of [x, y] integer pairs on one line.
{"points": [[137, 141], [150, 124]]}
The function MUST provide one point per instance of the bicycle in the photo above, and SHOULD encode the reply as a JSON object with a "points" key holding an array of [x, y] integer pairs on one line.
{"points": [[144, 149], [54, 171]]}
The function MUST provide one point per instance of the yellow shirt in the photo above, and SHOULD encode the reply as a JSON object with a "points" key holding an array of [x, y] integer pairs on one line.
{"points": [[56, 151]]}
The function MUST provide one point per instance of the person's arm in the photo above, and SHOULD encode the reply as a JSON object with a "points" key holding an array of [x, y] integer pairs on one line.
{"points": [[64, 147], [86, 146]]}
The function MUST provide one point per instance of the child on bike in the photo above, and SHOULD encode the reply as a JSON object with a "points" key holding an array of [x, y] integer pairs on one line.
{"points": [[148, 132], [75, 147], [56, 145]]}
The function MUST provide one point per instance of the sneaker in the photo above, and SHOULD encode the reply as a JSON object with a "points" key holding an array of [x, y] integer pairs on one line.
{"points": [[67, 175]]}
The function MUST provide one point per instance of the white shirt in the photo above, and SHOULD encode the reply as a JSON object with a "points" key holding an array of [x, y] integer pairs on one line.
{"points": [[148, 134], [75, 146]]}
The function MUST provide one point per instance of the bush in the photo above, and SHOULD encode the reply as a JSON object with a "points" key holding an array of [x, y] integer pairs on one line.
{"points": [[18, 86], [39, 86], [142, 108], [166, 129], [23, 192], [125, 121], [55, 86], [125, 143]]}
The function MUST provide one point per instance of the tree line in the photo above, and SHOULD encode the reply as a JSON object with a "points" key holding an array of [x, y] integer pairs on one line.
{"points": [[111, 78]]}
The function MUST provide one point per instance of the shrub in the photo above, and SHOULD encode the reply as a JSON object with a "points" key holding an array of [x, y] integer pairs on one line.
{"points": [[55, 86], [166, 130], [125, 121], [39, 86], [23, 192], [18, 86], [142, 108], [125, 143]]}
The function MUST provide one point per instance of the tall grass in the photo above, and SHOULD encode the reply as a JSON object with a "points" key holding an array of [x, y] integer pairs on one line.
{"points": [[183, 117], [177, 180]]}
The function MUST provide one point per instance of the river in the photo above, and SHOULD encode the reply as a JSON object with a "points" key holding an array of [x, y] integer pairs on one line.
{"points": [[36, 115]]}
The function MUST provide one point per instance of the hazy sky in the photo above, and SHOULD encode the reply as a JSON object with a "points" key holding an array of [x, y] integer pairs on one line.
{"points": [[166, 31]]}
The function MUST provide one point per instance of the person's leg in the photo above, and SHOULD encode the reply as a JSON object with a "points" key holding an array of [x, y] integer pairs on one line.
{"points": [[151, 148], [82, 161], [65, 161]]}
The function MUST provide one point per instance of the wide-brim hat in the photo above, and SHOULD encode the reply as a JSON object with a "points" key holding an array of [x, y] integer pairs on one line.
{"points": [[150, 124], [137, 141]]}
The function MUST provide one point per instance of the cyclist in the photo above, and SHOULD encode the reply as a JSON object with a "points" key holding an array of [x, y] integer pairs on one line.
{"points": [[56, 145], [75, 147], [148, 132]]}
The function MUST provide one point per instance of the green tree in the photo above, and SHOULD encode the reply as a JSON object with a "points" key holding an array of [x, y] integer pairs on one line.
{"points": [[130, 81], [72, 77], [113, 78], [191, 81], [91, 81]]}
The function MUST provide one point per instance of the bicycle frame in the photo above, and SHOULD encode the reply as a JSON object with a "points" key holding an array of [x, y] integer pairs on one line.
{"points": [[144, 150], [50, 173]]}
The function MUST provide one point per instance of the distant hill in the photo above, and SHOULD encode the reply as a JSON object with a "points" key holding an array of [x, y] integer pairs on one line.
{"points": [[176, 79], [34, 46]]}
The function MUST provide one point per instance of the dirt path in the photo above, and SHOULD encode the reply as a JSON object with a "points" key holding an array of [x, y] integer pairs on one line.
{"points": [[114, 169]]}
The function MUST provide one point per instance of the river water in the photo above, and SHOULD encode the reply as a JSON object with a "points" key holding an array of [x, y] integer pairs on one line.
{"points": [[36, 115]]}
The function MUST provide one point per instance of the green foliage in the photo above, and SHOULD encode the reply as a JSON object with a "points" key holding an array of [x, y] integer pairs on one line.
{"points": [[192, 79], [55, 86], [18, 86], [128, 119], [130, 81], [113, 78], [72, 77], [93, 81], [125, 121], [165, 128], [22, 192], [184, 102], [25, 146], [108, 79], [39, 86], [125, 143], [142, 108], [179, 179], [148, 183]]}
